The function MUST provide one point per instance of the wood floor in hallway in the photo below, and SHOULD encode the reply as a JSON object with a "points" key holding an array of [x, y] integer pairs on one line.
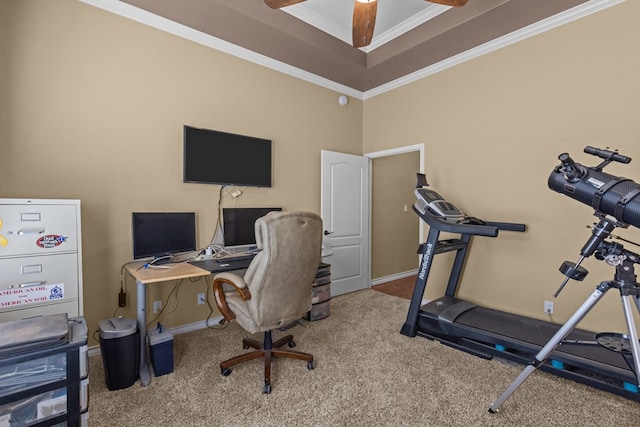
{"points": [[402, 288]]}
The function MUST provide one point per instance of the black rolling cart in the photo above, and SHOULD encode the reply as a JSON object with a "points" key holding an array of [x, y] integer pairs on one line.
{"points": [[44, 376]]}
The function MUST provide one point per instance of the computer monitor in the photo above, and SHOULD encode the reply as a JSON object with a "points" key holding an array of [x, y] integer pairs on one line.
{"points": [[161, 234], [215, 157], [238, 225]]}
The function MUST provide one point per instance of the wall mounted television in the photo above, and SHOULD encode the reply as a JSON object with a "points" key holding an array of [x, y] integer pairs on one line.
{"points": [[162, 234], [215, 157], [238, 225]]}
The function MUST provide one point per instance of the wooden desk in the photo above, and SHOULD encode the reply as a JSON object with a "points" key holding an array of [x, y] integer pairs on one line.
{"points": [[146, 277]]}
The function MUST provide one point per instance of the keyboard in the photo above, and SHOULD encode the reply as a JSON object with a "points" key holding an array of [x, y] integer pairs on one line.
{"points": [[233, 258], [229, 263]]}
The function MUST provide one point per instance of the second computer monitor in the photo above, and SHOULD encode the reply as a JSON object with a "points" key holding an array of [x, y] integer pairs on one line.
{"points": [[238, 225]]}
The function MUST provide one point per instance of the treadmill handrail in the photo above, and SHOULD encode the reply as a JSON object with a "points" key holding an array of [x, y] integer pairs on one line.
{"points": [[508, 226], [490, 229]]}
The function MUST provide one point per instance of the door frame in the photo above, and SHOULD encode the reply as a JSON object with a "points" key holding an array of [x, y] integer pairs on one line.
{"points": [[386, 153]]}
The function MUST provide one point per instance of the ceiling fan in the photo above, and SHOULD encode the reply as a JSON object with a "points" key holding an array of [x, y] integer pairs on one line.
{"points": [[364, 16]]}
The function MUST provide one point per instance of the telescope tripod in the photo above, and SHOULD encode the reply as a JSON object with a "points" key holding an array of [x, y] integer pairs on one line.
{"points": [[625, 281]]}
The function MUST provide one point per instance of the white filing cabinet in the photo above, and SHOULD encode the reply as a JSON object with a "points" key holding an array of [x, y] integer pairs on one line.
{"points": [[40, 258]]}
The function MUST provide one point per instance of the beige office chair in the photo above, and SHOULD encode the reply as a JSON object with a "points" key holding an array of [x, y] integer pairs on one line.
{"points": [[276, 289]]}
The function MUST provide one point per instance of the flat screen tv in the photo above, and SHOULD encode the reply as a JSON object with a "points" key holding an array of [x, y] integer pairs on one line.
{"points": [[214, 157], [162, 234], [238, 225]]}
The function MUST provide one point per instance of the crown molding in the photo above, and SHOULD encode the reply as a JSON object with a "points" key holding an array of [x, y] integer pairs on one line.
{"points": [[147, 18], [409, 24], [158, 22], [539, 27]]}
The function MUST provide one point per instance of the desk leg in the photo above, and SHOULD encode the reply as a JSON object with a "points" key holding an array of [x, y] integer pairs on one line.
{"points": [[145, 376]]}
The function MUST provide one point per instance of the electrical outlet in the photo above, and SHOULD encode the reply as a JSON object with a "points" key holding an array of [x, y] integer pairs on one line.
{"points": [[548, 307], [157, 306], [201, 299]]}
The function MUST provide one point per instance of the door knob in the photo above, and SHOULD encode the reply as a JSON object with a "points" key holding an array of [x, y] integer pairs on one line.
{"points": [[326, 233]]}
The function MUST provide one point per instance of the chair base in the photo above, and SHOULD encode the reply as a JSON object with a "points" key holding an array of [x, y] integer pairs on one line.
{"points": [[267, 350]]}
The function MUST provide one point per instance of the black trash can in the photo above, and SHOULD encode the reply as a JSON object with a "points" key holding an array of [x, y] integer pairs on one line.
{"points": [[120, 348]]}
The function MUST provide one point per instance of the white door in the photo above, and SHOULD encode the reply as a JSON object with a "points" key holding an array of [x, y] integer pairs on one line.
{"points": [[345, 214]]}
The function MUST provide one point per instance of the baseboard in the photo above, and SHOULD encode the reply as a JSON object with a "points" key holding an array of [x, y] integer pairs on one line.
{"points": [[397, 276], [95, 350]]}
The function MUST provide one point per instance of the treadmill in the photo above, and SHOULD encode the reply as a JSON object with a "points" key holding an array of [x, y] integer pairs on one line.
{"points": [[487, 332]]}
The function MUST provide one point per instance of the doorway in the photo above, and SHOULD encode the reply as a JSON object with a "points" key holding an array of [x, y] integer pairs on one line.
{"points": [[346, 194], [395, 229]]}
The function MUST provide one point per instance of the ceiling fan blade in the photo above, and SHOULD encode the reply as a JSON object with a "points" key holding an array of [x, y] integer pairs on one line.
{"points": [[277, 4], [364, 22], [454, 3]]}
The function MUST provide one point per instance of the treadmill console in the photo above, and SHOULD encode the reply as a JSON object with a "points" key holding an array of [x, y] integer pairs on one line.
{"points": [[429, 199], [437, 205]]}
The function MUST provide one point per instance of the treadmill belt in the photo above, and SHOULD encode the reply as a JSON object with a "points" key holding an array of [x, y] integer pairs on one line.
{"points": [[537, 332]]}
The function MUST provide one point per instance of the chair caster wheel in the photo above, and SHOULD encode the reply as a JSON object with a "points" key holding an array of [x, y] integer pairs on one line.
{"points": [[266, 389], [310, 366], [291, 344], [225, 372], [245, 347]]}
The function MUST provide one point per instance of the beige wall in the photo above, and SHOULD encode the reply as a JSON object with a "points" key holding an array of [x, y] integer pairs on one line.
{"points": [[4, 84], [95, 105], [493, 128], [394, 232], [96, 108]]}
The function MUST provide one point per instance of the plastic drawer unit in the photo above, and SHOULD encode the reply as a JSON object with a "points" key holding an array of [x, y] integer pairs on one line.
{"points": [[44, 372], [321, 294]]}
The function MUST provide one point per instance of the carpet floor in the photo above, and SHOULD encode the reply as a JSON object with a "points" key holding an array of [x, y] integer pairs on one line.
{"points": [[367, 374]]}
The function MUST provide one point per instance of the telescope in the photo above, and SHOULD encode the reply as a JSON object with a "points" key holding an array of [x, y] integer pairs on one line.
{"points": [[616, 201], [610, 195]]}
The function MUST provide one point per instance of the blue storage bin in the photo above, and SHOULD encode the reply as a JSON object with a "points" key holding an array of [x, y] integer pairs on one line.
{"points": [[161, 351]]}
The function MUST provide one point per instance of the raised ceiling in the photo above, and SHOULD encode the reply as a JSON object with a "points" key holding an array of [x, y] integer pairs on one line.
{"points": [[411, 36], [394, 17]]}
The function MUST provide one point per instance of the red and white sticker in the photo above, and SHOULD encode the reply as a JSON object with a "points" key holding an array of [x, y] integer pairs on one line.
{"points": [[50, 241]]}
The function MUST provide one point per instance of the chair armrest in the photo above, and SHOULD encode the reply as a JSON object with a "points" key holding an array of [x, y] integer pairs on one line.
{"points": [[238, 285]]}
